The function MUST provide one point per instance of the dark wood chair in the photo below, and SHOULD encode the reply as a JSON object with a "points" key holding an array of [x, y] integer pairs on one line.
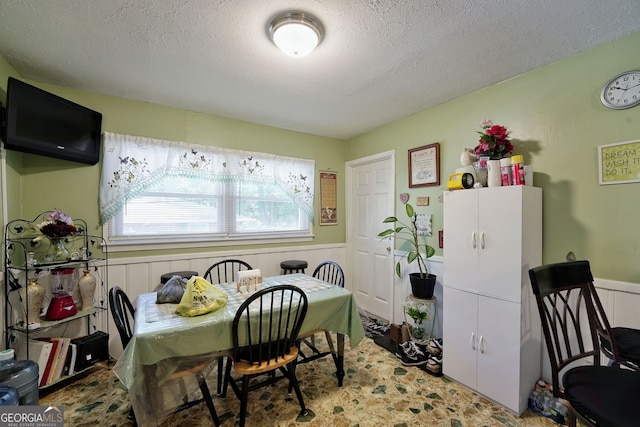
{"points": [[624, 348], [264, 334], [123, 316], [224, 271], [573, 330], [331, 272]]}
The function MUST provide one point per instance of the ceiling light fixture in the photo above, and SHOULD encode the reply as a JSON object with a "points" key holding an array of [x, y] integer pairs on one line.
{"points": [[296, 33]]}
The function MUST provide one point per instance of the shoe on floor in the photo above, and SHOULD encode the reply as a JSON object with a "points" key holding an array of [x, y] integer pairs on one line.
{"points": [[411, 354], [402, 348], [409, 347], [434, 364], [434, 347]]}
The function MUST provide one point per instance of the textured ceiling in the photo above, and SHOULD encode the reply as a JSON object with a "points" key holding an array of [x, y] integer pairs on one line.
{"points": [[380, 60]]}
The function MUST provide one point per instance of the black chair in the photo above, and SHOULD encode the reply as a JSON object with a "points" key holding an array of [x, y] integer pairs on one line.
{"points": [[625, 348], [264, 333], [123, 316], [597, 395], [224, 271], [329, 271]]}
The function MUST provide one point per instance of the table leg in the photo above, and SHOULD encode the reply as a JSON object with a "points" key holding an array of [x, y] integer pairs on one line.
{"points": [[340, 359], [142, 399]]}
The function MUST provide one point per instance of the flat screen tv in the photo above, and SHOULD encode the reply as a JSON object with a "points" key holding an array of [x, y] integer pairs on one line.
{"points": [[39, 122]]}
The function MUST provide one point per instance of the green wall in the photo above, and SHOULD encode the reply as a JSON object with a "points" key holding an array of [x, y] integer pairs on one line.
{"points": [[554, 114], [47, 183], [557, 122], [14, 207]]}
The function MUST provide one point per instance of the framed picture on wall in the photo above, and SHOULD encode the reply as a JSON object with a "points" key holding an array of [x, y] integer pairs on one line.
{"points": [[328, 198], [424, 166]]}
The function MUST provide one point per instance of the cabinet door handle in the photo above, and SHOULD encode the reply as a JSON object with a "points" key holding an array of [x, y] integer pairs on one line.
{"points": [[473, 240], [482, 240], [473, 341], [481, 344]]}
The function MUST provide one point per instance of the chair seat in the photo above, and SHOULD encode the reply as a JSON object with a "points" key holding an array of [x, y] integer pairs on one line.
{"points": [[293, 265], [184, 274], [628, 341], [608, 395], [245, 368]]}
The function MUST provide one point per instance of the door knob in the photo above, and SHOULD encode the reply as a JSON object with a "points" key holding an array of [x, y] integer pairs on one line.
{"points": [[389, 249]]}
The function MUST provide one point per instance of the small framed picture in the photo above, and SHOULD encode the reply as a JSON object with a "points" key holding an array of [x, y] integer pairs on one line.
{"points": [[424, 166]]}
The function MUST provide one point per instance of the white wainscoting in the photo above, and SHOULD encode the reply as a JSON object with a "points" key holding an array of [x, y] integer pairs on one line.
{"points": [[138, 275]]}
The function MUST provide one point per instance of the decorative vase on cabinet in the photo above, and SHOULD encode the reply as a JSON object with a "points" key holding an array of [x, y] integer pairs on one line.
{"points": [[87, 287], [494, 178]]}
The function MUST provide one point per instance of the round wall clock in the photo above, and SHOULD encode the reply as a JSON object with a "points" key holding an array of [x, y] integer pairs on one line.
{"points": [[622, 91]]}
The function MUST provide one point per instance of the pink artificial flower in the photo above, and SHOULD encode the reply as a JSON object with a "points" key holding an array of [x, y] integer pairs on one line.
{"points": [[486, 123]]}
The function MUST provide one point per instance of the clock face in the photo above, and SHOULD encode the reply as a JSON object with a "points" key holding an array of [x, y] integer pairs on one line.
{"points": [[622, 91]]}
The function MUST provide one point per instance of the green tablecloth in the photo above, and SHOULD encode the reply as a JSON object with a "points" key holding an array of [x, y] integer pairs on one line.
{"points": [[161, 335]]}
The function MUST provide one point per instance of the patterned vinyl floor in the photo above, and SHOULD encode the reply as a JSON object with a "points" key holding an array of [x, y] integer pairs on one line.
{"points": [[377, 391]]}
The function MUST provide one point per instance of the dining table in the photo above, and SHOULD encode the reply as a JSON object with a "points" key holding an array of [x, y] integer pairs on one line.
{"points": [[164, 340]]}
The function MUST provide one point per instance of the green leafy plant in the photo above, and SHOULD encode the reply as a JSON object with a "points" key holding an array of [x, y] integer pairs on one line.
{"points": [[409, 233], [417, 315]]}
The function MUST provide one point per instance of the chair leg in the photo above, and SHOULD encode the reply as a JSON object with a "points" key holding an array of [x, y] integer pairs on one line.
{"points": [[293, 380], [571, 422], [227, 378], [220, 372], [132, 417], [207, 398], [244, 399]]}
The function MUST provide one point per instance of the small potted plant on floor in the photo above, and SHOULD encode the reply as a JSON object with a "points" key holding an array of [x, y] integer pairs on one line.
{"points": [[419, 316], [422, 283]]}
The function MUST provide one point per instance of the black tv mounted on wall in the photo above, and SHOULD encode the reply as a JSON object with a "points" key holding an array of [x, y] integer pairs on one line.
{"points": [[39, 122]]}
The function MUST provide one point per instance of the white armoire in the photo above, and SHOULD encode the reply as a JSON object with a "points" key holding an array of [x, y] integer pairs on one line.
{"points": [[491, 328]]}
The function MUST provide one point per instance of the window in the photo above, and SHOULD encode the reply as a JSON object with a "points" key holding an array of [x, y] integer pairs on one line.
{"points": [[209, 194]]}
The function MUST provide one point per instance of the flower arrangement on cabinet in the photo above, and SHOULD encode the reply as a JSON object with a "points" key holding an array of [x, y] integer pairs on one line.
{"points": [[58, 224], [494, 141]]}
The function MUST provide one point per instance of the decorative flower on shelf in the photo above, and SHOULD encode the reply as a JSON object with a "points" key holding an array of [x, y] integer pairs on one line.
{"points": [[58, 224], [494, 141]]}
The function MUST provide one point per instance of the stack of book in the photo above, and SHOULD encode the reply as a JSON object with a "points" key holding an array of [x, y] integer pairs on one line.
{"points": [[56, 358]]}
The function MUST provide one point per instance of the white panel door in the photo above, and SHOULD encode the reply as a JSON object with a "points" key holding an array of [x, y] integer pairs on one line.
{"points": [[370, 198]]}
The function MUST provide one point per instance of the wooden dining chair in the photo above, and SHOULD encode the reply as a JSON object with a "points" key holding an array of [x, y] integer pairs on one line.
{"points": [[224, 271], [598, 395], [264, 332], [331, 272], [624, 348], [123, 316]]}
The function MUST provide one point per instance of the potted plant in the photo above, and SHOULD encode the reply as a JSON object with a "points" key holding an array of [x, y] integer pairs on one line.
{"points": [[422, 283], [419, 315]]}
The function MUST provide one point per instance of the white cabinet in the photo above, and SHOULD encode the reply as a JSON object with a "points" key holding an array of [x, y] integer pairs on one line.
{"points": [[491, 330]]}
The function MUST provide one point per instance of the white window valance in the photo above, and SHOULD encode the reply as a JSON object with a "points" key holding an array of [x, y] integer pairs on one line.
{"points": [[131, 164]]}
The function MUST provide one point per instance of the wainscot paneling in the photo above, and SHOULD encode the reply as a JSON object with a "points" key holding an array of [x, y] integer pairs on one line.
{"points": [[138, 275]]}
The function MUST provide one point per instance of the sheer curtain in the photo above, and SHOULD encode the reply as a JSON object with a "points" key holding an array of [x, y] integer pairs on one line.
{"points": [[132, 164]]}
